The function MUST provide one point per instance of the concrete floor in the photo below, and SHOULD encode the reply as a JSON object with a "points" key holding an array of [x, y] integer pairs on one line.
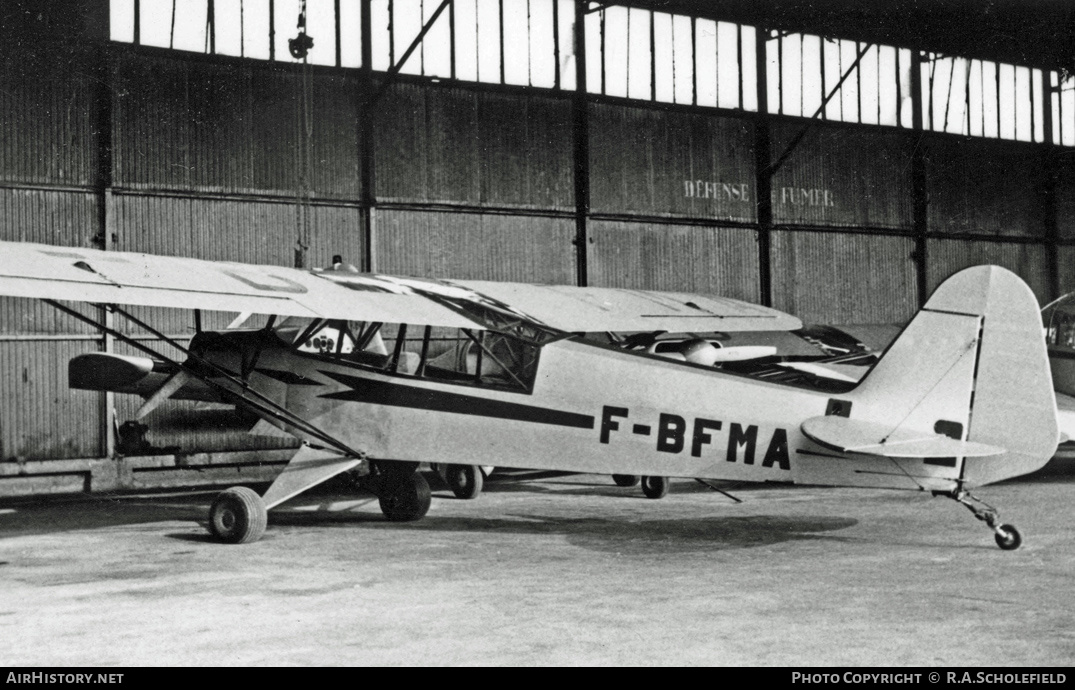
{"points": [[548, 569]]}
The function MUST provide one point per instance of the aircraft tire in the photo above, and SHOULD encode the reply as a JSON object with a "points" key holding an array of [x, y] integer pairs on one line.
{"points": [[1008, 538], [655, 487], [408, 501], [465, 481], [238, 516], [626, 480]]}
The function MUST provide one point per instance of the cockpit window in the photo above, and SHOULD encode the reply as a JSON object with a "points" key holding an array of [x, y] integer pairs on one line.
{"points": [[484, 358], [331, 337], [457, 355]]}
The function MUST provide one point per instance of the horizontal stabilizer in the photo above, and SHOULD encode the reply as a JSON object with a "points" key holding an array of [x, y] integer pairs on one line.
{"points": [[872, 438]]}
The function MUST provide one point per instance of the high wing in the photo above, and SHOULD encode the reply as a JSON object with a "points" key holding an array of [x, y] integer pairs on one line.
{"points": [[622, 310], [90, 275]]}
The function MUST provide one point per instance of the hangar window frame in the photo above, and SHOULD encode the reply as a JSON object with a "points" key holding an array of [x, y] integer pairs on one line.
{"points": [[633, 53]]}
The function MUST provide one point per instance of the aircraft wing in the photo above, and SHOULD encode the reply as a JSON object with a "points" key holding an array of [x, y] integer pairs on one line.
{"points": [[90, 275], [620, 310], [95, 276]]}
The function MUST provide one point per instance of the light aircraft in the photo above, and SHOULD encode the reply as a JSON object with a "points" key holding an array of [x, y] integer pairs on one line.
{"points": [[376, 374]]}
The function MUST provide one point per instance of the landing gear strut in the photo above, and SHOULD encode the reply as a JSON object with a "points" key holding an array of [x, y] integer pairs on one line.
{"points": [[1008, 538]]}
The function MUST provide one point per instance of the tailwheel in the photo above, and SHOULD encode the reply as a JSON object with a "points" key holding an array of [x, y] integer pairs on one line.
{"points": [[465, 481], [655, 487], [238, 516], [406, 499], [1007, 537], [625, 480]]}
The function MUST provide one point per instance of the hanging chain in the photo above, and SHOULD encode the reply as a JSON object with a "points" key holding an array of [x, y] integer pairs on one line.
{"points": [[299, 47]]}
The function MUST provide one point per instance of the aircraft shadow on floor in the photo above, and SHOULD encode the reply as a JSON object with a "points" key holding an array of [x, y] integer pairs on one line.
{"points": [[613, 534]]}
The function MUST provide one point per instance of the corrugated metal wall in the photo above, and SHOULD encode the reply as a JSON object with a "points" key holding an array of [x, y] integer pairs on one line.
{"points": [[666, 163], [476, 246], [690, 258], [1065, 198], [985, 187], [844, 278], [233, 127], [246, 230], [461, 146], [46, 107], [1027, 260], [1065, 259], [843, 177], [41, 416]]}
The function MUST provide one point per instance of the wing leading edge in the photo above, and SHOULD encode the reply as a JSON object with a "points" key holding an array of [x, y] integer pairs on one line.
{"points": [[621, 310], [129, 278], [90, 275]]}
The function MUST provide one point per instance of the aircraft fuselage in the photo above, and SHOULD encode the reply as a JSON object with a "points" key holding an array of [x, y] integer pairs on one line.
{"points": [[589, 409]]}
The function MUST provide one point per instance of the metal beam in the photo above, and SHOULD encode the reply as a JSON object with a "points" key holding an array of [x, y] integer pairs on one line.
{"points": [[581, 129], [366, 141], [820, 109], [919, 184], [763, 180], [390, 75]]}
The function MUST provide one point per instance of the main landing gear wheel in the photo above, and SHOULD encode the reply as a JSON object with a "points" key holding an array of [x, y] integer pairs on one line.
{"points": [[1007, 537], [655, 487], [625, 480], [465, 481], [406, 499], [238, 516]]}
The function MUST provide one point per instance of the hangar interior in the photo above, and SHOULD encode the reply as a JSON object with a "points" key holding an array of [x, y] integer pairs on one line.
{"points": [[833, 160]]}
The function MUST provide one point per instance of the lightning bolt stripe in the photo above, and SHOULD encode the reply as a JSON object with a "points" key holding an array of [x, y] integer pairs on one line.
{"points": [[400, 395]]}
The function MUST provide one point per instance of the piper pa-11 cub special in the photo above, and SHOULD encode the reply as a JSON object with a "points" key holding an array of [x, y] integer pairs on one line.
{"points": [[376, 374]]}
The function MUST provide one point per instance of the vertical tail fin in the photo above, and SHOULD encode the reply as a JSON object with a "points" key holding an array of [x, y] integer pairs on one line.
{"points": [[972, 365]]}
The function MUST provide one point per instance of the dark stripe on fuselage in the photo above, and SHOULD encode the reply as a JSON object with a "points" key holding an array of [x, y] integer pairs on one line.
{"points": [[288, 377], [394, 394]]}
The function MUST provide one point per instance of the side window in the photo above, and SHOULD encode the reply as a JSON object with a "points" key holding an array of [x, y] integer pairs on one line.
{"points": [[446, 356], [482, 358], [457, 355], [353, 340], [404, 347]]}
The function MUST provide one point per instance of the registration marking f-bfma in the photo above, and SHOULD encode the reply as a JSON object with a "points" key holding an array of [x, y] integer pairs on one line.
{"points": [[671, 434]]}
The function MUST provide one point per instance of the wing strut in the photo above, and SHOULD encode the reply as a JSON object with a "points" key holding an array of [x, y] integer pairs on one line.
{"points": [[259, 404]]}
